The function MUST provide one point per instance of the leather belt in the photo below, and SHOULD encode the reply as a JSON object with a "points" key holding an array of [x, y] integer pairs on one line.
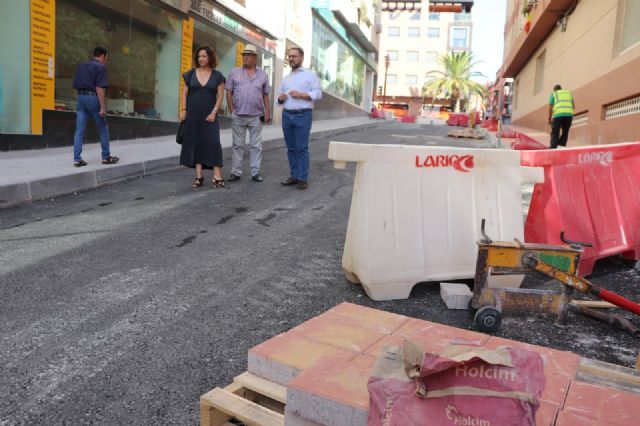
{"points": [[298, 111]]}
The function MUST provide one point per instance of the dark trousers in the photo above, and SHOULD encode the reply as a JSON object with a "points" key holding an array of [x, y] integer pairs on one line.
{"points": [[560, 123], [296, 128]]}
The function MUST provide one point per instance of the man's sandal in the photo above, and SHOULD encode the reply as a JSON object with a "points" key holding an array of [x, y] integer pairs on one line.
{"points": [[110, 160], [197, 182], [79, 163]]}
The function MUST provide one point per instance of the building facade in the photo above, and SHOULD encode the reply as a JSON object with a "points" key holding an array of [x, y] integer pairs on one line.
{"points": [[591, 48], [152, 42], [414, 39]]}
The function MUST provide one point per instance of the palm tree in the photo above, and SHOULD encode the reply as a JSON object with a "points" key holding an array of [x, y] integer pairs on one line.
{"points": [[455, 81]]}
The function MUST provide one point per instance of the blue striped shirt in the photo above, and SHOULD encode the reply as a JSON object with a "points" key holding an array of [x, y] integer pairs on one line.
{"points": [[302, 80]]}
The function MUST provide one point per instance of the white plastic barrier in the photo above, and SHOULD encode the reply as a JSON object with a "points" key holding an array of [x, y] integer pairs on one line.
{"points": [[416, 211]]}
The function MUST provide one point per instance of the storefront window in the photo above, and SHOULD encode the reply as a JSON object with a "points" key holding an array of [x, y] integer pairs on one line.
{"points": [[15, 92], [143, 41], [340, 69]]}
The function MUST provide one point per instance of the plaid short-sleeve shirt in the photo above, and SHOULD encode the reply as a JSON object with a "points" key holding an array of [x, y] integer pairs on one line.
{"points": [[248, 91]]}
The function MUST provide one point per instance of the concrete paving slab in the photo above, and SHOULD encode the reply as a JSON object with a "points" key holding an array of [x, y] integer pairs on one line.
{"points": [[339, 333], [603, 404], [284, 356], [333, 393], [372, 319], [560, 368]]}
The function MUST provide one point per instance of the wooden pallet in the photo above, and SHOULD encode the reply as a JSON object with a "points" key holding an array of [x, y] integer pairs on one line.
{"points": [[609, 375], [250, 399], [466, 134]]}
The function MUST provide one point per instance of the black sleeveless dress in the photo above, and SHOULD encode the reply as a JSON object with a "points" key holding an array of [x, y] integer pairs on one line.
{"points": [[201, 142]]}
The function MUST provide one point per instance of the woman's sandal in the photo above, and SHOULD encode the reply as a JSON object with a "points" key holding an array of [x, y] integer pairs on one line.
{"points": [[218, 183], [197, 182]]}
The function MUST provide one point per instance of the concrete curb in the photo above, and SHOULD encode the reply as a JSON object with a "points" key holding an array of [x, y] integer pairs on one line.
{"points": [[34, 190]]}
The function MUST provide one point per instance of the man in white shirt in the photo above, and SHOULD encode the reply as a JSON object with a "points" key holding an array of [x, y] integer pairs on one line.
{"points": [[298, 92]]}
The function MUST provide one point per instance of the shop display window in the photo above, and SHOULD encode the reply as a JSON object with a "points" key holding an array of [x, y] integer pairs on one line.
{"points": [[340, 70], [144, 43], [15, 90]]}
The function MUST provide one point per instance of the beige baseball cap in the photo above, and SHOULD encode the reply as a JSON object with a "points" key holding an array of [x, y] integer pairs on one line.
{"points": [[250, 48]]}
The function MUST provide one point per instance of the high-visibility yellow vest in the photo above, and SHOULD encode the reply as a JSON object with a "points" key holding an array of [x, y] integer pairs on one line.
{"points": [[562, 103]]}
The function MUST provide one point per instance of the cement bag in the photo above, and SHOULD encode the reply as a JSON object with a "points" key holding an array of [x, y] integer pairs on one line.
{"points": [[466, 385]]}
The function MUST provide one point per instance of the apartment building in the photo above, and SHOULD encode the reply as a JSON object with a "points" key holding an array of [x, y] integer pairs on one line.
{"points": [[591, 47], [414, 39]]}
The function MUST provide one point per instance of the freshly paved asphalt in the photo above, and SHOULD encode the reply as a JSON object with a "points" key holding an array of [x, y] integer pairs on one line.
{"points": [[122, 305]]}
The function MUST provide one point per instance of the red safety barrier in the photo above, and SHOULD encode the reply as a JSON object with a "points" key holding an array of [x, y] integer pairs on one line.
{"points": [[490, 124], [527, 145], [461, 119], [408, 119], [453, 120], [524, 142], [508, 132], [590, 193]]}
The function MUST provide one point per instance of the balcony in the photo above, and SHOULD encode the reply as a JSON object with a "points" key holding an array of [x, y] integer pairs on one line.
{"points": [[545, 16]]}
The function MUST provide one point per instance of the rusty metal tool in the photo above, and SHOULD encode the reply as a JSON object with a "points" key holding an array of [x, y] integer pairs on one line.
{"points": [[559, 262]]}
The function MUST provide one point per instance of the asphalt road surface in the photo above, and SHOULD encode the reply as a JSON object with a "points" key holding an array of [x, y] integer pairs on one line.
{"points": [[122, 305]]}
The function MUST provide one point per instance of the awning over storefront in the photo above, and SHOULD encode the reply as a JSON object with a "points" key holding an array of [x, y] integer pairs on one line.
{"points": [[346, 32], [181, 5], [355, 30]]}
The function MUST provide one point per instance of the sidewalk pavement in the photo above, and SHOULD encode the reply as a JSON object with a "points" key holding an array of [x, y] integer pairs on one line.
{"points": [[36, 174]]}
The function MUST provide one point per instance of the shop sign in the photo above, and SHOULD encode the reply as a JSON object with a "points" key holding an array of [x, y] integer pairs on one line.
{"points": [[219, 17], [43, 45], [239, 48], [186, 62]]}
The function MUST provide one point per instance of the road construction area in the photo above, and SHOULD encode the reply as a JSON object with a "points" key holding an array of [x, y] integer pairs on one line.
{"points": [[124, 304]]}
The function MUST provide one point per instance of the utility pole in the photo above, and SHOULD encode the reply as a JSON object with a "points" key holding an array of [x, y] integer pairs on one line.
{"points": [[387, 60]]}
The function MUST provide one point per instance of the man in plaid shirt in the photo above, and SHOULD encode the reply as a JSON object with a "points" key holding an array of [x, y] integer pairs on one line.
{"points": [[248, 100]]}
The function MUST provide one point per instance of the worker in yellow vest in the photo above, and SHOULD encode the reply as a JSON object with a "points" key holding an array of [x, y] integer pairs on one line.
{"points": [[561, 108]]}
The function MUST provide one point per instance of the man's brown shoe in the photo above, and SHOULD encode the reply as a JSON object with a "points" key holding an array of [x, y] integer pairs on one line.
{"points": [[301, 185], [289, 182]]}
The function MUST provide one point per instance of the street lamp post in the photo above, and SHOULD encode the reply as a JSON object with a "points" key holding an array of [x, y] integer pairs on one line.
{"points": [[387, 60]]}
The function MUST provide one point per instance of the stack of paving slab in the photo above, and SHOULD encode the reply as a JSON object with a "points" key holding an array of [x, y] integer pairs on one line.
{"points": [[325, 364]]}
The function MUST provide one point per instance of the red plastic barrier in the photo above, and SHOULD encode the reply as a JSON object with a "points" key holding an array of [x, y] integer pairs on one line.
{"points": [[453, 120], [524, 142], [591, 193], [461, 119], [526, 145], [508, 132], [490, 124], [408, 119]]}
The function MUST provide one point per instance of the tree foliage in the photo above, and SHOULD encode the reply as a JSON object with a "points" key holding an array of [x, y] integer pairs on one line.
{"points": [[455, 81]]}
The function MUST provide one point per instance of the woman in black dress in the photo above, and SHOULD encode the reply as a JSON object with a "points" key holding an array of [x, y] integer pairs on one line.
{"points": [[203, 93]]}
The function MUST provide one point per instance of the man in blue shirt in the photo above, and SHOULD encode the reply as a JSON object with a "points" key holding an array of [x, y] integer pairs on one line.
{"points": [[298, 92], [91, 82]]}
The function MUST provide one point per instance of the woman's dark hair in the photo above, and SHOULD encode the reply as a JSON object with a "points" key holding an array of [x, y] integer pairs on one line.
{"points": [[211, 53]]}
